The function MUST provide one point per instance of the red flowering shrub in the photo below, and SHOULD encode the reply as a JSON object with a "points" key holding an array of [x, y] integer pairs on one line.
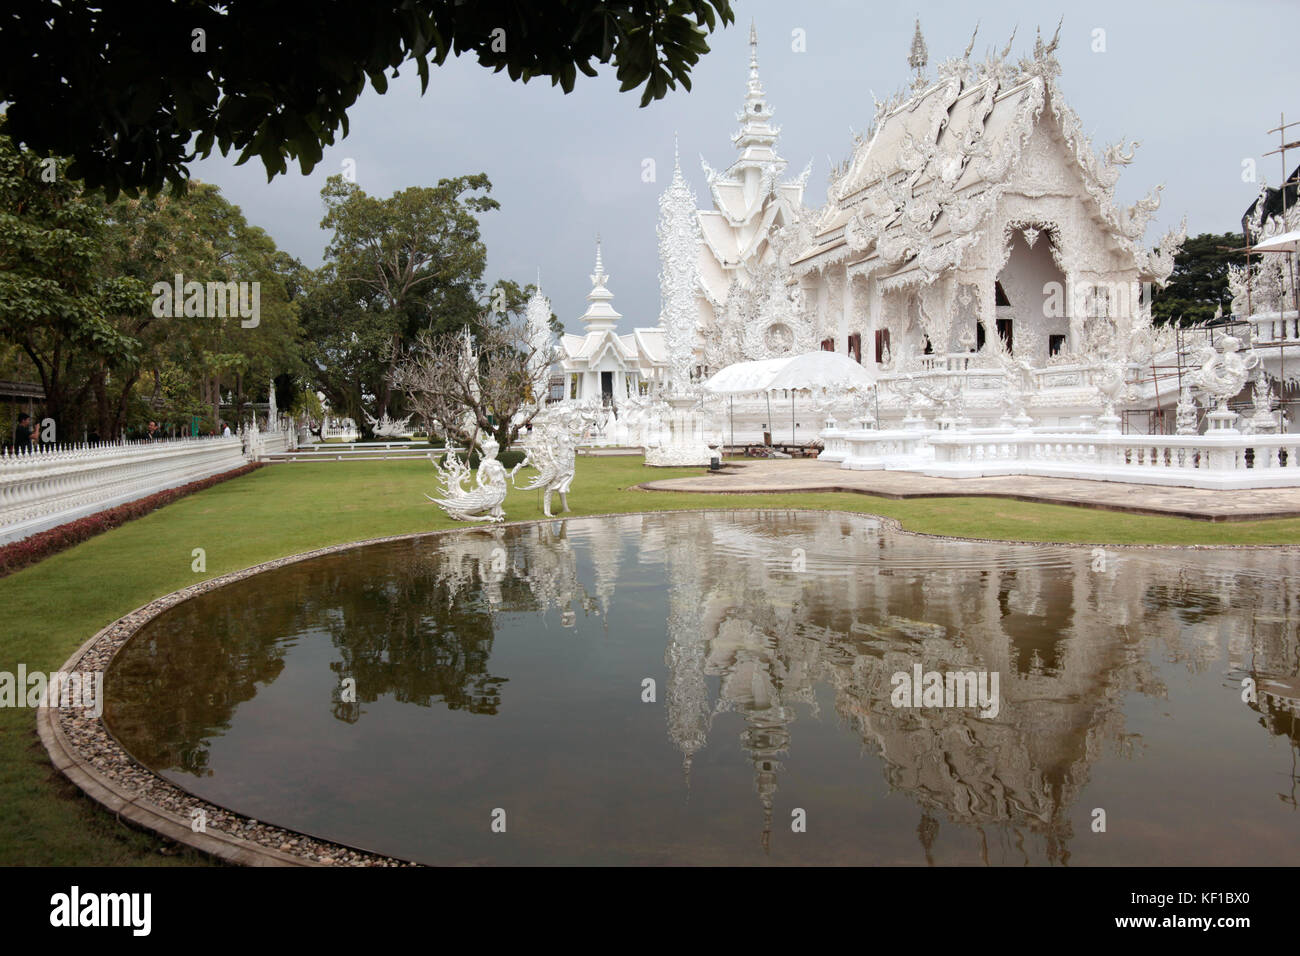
{"points": [[20, 554]]}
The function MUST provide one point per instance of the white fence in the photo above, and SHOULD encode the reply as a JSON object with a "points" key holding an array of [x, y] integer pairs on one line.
{"points": [[344, 429], [50, 485], [1196, 461], [1193, 461]]}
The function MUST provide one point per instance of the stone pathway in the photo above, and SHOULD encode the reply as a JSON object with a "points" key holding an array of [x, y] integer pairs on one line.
{"points": [[754, 477]]}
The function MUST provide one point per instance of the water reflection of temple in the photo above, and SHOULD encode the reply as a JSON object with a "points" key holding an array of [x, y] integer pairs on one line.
{"points": [[1069, 642], [750, 634]]}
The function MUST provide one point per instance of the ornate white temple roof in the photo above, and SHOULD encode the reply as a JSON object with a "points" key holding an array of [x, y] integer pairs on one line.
{"points": [[922, 183], [749, 198]]}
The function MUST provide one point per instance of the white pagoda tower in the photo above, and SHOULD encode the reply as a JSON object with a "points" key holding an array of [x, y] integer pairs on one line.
{"points": [[745, 308]]}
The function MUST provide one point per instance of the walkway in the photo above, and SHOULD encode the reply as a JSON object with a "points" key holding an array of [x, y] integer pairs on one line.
{"points": [[755, 477]]}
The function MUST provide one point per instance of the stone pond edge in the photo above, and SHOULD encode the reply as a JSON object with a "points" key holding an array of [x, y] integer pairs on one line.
{"points": [[91, 758]]}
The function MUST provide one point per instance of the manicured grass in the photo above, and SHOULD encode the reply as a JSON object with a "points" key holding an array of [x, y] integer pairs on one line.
{"points": [[48, 610]]}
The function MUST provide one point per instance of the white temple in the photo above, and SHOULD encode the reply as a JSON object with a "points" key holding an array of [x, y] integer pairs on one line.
{"points": [[600, 362], [972, 252], [973, 219]]}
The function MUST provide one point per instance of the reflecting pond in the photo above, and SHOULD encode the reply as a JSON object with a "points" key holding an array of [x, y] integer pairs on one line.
{"points": [[739, 687]]}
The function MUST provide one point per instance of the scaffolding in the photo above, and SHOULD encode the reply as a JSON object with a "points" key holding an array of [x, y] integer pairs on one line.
{"points": [[1191, 339]]}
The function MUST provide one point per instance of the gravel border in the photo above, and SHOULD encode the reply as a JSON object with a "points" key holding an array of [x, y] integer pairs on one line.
{"points": [[85, 751]]}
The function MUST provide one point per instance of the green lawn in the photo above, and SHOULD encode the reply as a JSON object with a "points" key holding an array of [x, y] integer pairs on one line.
{"points": [[48, 610]]}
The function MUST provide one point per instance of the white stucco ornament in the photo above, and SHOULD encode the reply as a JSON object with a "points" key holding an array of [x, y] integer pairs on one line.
{"points": [[385, 427], [1223, 375]]}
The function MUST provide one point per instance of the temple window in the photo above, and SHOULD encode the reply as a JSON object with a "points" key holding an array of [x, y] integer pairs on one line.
{"points": [[1055, 345]]}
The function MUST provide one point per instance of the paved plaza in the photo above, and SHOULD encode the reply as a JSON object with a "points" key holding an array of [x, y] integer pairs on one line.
{"points": [[755, 477]]}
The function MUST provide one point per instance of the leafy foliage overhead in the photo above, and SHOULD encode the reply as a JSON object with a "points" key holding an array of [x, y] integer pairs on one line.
{"points": [[133, 92]]}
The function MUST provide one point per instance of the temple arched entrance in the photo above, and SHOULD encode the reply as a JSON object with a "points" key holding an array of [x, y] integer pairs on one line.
{"points": [[1028, 295]]}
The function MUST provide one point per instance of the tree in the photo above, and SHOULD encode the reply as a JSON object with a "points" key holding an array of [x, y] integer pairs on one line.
{"points": [[1198, 286], [54, 297], [461, 386], [135, 91], [394, 268], [508, 301], [187, 359], [77, 307]]}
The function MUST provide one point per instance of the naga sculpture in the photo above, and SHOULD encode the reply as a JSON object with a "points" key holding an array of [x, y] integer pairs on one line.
{"points": [[481, 501]]}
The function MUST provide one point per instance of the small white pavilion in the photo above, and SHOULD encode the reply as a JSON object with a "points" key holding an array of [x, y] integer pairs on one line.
{"points": [[602, 362]]}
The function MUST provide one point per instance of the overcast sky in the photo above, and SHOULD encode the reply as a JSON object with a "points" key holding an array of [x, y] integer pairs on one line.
{"points": [[1198, 83]]}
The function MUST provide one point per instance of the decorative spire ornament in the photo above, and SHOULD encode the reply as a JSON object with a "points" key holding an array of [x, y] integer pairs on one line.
{"points": [[600, 314], [756, 131], [919, 56]]}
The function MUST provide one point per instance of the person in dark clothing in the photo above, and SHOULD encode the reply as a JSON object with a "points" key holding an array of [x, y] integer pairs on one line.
{"points": [[23, 433]]}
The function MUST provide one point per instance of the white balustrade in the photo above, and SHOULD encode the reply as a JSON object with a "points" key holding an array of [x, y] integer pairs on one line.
{"points": [[1272, 327], [50, 485], [835, 446], [872, 450], [1197, 461]]}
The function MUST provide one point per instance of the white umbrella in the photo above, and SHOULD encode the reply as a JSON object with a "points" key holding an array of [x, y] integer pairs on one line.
{"points": [[829, 371], [811, 371], [745, 378]]}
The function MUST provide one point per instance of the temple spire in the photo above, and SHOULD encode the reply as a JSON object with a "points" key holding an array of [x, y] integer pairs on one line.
{"points": [[918, 57], [754, 83], [756, 136], [599, 277], [600, 312]]}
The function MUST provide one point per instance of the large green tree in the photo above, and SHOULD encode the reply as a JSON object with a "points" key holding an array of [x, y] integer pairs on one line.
{"points": [[134, 91], [394, 268], [186, 361], [1198, 286], [55, 297], [76, 300]]}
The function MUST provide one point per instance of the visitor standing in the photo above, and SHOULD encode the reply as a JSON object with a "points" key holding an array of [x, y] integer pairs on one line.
{"points": [[23, 431], [225, 430]]}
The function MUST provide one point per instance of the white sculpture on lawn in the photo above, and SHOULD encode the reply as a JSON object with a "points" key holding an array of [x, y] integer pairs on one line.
{"points": [[480, 501], [1185, 421], [542, 352], [1263, 418], [385, 427], [552, 449]]}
